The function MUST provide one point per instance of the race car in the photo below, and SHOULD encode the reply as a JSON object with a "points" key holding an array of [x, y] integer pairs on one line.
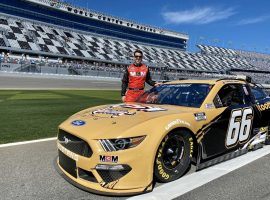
{"points": [[123, 149]]}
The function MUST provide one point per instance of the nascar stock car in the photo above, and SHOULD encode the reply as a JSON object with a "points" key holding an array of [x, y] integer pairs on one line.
{"points": [[125, 148]]}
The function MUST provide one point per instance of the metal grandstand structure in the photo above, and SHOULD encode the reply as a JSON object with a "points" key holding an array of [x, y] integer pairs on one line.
{"points": [[46, 45], [57, 13]]}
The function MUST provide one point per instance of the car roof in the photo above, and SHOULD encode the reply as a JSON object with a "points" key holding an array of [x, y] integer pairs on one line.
{"points": [[207, 81]]}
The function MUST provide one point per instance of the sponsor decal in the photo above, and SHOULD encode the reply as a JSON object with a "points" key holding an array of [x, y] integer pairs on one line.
{"points": [[264, 129], [263, 107], [200, 116], [113, 112], [176, 122], [112, 159], [109, 185], [137, 74], [177, 85], [230, 81], [209, 106], [260, 130], [142, 108], [78, 123], [68, 153], [66, 140], [258, 138]]}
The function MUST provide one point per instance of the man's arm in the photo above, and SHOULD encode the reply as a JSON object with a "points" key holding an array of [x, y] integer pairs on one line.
{"points": [[149, 79], [124, 83]]}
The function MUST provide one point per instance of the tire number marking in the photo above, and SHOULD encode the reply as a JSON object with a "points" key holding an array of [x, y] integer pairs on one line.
{"points": [[239, 126]]}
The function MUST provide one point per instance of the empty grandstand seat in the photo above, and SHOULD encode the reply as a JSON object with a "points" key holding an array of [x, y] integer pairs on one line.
{"points": [[2, 42], [24, 45], [48, 38]]}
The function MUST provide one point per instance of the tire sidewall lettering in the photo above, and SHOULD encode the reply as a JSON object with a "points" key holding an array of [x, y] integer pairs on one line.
{"points": [[159, 162], [191, 147], [166, 174]]}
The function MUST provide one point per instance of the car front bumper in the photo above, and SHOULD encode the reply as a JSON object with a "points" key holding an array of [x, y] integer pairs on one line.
{"points": [[127, 176]]}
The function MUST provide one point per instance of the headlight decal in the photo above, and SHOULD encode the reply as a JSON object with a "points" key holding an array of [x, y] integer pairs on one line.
{"points": [[107, 145], [120, 144]]}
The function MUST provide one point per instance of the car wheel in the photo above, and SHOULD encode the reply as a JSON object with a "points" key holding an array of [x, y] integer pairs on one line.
{"points": [[173, 156]]}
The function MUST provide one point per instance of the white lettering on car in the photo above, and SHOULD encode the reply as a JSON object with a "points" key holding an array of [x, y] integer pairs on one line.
{"points": [[175, 122], [67, 152], [239, 126]]}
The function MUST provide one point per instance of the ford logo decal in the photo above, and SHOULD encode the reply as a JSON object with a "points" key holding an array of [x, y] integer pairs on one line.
{"points": [[78, 123]]}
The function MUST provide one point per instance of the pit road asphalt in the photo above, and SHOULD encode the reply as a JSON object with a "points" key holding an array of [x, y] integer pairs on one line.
{"points": [[28, 172]]}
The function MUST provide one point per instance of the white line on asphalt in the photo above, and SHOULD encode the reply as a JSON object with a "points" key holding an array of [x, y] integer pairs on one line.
{"points": [[192, 181], [26, 142]]}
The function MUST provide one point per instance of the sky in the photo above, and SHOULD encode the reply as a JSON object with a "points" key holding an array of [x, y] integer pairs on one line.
{"points": [[237, 24]]}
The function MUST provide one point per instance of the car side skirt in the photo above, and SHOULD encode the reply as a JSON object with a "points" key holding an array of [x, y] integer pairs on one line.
{"points": [[227, 156], [220, 159]]}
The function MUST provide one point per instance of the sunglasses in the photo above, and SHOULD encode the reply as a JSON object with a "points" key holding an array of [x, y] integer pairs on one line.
{"points": [[138, 56]]}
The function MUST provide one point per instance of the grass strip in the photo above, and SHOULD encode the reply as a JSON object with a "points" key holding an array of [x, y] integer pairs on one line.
{"points": [[34, 114]]}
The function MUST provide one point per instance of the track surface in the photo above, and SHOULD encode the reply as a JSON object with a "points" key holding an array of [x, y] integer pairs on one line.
{"points": [[250, 182], [37, 81], [28, 171]]}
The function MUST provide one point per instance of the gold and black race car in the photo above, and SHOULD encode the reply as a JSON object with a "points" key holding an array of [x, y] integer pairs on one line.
{"points": [[122, 149]]}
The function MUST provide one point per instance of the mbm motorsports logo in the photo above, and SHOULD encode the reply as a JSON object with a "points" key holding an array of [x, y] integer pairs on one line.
{"points": [[113, 159], [78, 123]]}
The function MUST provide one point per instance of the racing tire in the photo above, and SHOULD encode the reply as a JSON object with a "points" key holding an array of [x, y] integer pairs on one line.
{"points": [[173, 156]]}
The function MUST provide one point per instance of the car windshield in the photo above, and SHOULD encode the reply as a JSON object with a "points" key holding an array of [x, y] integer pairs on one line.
{"points": [[190, 95]]}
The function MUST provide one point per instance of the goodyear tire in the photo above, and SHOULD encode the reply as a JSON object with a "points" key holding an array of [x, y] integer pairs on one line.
{"points": [[173, 156]]}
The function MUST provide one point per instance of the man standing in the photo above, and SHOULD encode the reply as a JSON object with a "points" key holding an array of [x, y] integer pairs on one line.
{"points": [[134, 79]]}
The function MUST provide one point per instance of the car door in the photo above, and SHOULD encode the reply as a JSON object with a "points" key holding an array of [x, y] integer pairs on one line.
{"points": [[233, 127], [262, 102]]}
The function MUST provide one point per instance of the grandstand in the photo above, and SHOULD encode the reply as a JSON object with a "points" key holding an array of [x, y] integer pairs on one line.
{"points": [[259, 62], [48, 36]]}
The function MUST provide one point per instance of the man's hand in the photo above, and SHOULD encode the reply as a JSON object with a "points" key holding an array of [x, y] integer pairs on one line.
{"points": [[123, 98], [157, 84]]}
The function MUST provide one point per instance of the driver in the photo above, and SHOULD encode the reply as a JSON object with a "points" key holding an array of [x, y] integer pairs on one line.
{"points": [[134, 79]]}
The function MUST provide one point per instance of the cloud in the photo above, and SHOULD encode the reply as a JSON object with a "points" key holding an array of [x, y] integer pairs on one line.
{"points": [[254, 20], [204, 15]]}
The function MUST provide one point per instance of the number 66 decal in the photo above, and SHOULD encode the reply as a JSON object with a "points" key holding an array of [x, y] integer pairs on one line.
{"points": [[239, 126]]}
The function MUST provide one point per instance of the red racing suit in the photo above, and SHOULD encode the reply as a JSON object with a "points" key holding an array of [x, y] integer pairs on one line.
{"points": [[133, 81]]}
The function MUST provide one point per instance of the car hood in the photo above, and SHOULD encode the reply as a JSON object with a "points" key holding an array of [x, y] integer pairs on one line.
{"points": [[114, 121]]}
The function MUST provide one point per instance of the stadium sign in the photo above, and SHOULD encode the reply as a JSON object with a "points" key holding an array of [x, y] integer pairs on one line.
{"points": [[9, 67]]}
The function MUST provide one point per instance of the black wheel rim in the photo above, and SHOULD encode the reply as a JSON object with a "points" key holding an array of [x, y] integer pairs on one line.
{"points": [[173, 152]]}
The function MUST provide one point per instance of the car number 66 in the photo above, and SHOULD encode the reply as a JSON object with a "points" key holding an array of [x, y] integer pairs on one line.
{"points": [[239, 126]]}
